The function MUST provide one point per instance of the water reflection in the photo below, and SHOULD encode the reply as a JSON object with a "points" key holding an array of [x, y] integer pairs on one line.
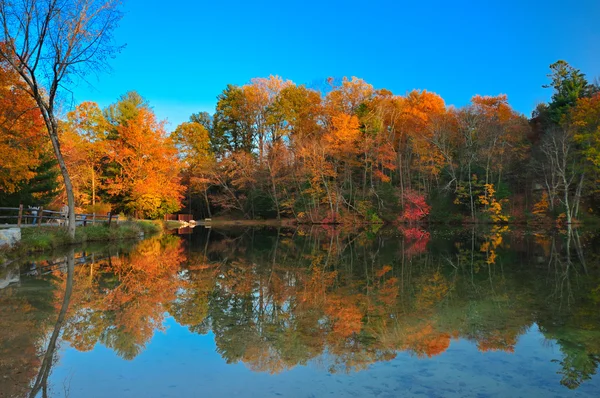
{"points": [[276, 299], [41, 381]]}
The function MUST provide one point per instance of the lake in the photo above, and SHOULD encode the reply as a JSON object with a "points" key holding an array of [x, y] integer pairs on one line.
{"points": [[307, 312]]}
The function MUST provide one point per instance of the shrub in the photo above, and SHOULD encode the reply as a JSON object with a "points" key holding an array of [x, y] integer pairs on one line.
{"points": [[415, 207]]}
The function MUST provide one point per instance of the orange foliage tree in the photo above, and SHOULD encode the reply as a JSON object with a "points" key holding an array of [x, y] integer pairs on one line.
{"points": [[148, 179], [23, 137]]}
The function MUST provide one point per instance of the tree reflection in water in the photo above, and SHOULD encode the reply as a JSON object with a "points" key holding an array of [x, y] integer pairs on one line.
{"points": [[275, 299]]}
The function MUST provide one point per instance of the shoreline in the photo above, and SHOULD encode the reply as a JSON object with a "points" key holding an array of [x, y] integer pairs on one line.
{"points": [[38, 240], [293, 223]]}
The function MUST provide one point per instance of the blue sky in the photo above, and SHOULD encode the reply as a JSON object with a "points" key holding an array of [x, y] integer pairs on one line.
{"points": [[181, 54]]}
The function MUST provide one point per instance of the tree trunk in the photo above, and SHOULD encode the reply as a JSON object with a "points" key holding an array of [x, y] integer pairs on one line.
{"points": [[401, 175], [274, 188], [578, 195], [93, 189], [52, 127], [471, 193], [207, 204], [328, 194], [566, 201]]}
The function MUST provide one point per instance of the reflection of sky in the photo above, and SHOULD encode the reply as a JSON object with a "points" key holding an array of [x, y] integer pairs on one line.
{"points": [[178, 363]]}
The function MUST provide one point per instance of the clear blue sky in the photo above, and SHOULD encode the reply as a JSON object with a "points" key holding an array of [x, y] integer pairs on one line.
{"points": [[181, 54]]}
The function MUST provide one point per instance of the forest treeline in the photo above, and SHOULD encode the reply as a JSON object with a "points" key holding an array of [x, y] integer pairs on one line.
{"points": [[346, 153]]}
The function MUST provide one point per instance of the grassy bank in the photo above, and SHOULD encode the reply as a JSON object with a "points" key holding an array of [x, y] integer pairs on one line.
{"points": [[49, 238]]}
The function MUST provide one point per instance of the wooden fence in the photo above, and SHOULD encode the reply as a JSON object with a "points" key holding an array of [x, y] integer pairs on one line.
{"points": [[39, 217]]}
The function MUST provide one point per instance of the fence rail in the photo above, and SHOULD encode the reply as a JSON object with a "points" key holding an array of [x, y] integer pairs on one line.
{"points": [[39, 217]]}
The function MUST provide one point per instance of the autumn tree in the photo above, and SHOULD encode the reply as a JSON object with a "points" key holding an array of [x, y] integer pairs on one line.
{"points": [[300, 109], [22, 134], [491, 142], [584, 121], [146, 177], [84, 137], [502, 131], [193, 144], [419, 109], [50, 42], [28, 173], [348, 96]]}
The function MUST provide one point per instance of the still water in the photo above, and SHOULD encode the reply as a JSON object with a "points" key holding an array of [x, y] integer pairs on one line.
{"points": [[309, 312]]}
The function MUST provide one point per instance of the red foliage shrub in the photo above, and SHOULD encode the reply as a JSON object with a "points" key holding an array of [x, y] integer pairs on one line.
{"points": [[415, 207]]}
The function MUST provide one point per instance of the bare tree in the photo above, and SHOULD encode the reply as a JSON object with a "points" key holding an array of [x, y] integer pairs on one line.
{"points": [[560, 169], [48, 42]]}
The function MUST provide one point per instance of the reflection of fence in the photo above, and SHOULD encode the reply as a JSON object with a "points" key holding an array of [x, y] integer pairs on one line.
{"points": [[185, 231], [178, 217], [48, 217], [44, 267]]}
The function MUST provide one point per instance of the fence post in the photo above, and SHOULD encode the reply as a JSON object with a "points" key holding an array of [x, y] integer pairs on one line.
{"points": [[41, 214], [109, 218], [94, 218], [20, 215]]}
